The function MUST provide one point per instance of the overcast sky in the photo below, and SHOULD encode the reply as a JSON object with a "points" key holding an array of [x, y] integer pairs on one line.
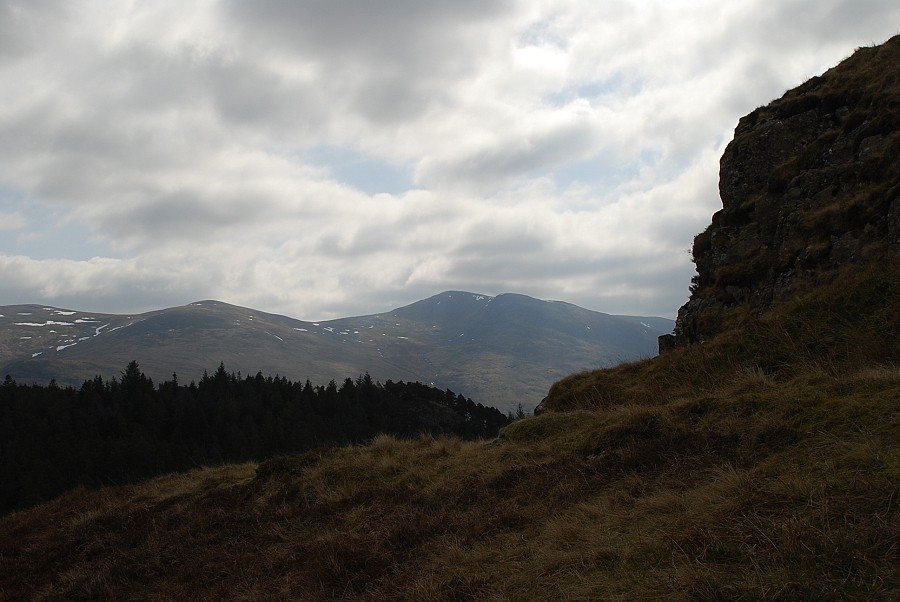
{"points": [[332, 158]]}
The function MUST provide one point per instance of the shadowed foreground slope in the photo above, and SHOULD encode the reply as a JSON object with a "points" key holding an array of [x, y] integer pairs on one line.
{"points": [[762, 464]]}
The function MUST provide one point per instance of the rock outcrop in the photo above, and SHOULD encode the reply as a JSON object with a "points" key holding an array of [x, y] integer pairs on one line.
{"points": [[809, 185]]}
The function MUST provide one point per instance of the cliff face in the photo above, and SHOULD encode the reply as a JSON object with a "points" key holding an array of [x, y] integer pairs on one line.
{"points": [[810, 185]]}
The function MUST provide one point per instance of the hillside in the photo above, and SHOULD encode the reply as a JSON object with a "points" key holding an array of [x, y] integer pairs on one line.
{"points": [[501, 350], [757, 459]]}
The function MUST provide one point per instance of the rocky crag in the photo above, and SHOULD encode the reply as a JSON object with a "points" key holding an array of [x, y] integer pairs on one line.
{"points": [[809, 185]]}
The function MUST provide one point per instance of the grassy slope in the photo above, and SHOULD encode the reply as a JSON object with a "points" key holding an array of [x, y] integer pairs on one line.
{"points": [[762, 465]]}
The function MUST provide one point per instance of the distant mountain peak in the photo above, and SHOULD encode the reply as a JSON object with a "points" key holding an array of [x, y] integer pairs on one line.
{"points": [[499, 350]]}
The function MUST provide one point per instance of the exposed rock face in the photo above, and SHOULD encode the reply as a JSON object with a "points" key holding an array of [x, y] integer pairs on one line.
{"points": [[810, 184]]}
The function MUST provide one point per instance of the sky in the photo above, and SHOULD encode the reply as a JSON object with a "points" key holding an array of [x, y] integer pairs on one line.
{"points": [[324, 159]]}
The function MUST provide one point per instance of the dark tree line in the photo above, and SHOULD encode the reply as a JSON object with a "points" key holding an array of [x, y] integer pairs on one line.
{"points": [[125, 429]]}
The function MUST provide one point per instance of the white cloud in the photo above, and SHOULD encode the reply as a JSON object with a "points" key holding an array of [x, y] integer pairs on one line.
{"points": [[333, 158], [12, 221]]}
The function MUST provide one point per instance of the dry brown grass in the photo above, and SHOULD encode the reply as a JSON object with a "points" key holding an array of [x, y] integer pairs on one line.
{"points": [[760, 489]]}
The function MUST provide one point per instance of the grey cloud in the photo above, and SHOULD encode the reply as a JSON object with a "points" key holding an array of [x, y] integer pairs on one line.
{"points": [[174, 215], [798, 29], [395, 99], [399, 32], [354, 242], [250, 95], [137, 77], [389, 61], [833, 22], [83, 159], [197, 213], [26, 24], [138, 80], [241, 91], [110, 286], [143, 110], [489, 239], [511, 157]]}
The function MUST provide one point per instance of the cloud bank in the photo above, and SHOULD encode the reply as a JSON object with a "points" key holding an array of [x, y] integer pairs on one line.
{"points": [[324, 159]]}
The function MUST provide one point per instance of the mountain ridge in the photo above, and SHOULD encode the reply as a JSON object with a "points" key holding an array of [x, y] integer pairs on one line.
{"points": [[468, 342]]}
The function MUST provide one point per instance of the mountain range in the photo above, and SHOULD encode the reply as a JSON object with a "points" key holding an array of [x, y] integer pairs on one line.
{"points": [[501, 350]]}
